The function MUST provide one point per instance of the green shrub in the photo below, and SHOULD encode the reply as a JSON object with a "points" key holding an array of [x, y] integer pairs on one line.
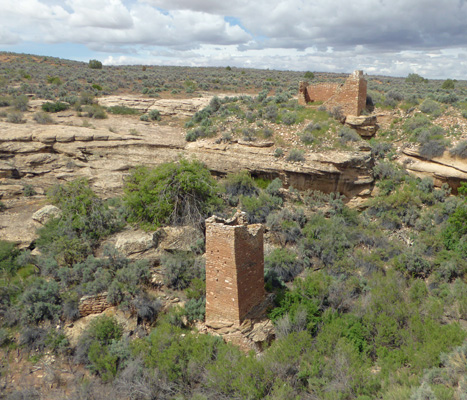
{"points": [[448, 84], [379, 150], [145, 118], [8, 254], [432, 148], [240, 184], [195, 309], [282, 264], [28, 190], [155, 115], [180, 269], [20, 103], [460, 150], [98, 347], [5, 101], [95, 64], [43, 118], [347, 134], [15, 118], [54, 107], [172, 193], [94, 111], [123, 110], [54, 80], [278, 152], [258, 208], [309, 75], [431, 107], [295, 155], [415, 79], [289, 118], [41, 301], [84, 220]]}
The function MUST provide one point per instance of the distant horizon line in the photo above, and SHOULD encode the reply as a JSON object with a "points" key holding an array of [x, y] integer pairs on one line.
{"points": [[223, 66]]}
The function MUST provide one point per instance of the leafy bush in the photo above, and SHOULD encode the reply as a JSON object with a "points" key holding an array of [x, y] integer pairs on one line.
{"points": [[15, 118], [180, 269], [460, 150], [414, 79], [278, 152], [289, 118], [240, 184], [28, 190], [286, 225], [20, 103], [347, 134], [295, 155], [41, 301], [282, 264], [155, 115], [379, 150], [123, 110], [432, 148], [172, 193], [54, 107], [195, 309], [8, 254], [95, 64], [147, 308], [431, 107], [5, 101], [84, 220], [94, 111], [258, 208], [99, 347], [448, 84], [43, 118]]}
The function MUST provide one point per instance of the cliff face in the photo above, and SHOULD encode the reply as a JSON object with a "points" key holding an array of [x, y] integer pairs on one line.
{"points": [[103, 151]]}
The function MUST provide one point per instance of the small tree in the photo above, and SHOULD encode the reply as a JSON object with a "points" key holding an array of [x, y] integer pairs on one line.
{"points": [[448, 84], [309, 75], [95, 64], [172, 193], [415, 78]]}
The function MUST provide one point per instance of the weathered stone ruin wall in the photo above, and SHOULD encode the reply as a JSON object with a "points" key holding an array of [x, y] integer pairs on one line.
{"points": [[234, 269], [350, 97], [93, 304], [320, 92]]}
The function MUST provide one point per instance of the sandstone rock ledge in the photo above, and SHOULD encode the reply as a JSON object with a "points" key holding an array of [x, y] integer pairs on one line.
{"points": [[444, 169]]}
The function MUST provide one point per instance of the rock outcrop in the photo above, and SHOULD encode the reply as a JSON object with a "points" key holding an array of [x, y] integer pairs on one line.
{"points": [[444, 169], [365, 125], [103, 152], [185, 107]]}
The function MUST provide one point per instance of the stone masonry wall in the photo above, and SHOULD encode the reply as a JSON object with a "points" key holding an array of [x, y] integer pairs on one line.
{"points": [[93, 304], [234, 269], [350, 96]]}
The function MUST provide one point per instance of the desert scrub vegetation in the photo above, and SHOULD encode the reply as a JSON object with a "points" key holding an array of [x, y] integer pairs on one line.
{"points": [[84, 220], [252, 118], [172, 193]]}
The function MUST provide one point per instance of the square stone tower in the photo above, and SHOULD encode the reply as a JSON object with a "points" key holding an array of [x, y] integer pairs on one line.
{"points": [[234, 269]]}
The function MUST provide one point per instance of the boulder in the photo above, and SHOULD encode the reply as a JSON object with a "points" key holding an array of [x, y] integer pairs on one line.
{"points": [[365, 125], [46, 213], [133, 241]]}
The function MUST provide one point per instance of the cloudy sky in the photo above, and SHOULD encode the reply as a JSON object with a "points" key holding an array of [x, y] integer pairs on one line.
{"points": [[389, 37]]}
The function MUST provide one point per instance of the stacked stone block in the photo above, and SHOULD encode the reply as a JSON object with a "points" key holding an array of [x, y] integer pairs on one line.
{"points": [[93, 304], [350, 97], [234, 269]]}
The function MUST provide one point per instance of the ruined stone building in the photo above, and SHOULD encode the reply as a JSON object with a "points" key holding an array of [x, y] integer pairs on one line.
{"points": [[350, 96], [234, 269]]}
